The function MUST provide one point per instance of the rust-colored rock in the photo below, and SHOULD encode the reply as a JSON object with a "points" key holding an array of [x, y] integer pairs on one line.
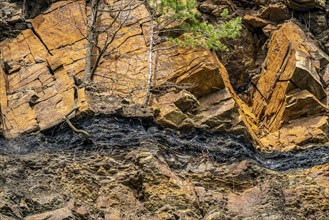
{"points": [[290, 85], [255, 21], [40, 80], [131, 168], [39, 76], [298, 134], [217, 111], [193, 68]]}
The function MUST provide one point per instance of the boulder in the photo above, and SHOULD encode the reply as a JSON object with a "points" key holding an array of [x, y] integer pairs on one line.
{"points": [[302, 104], [192, 69], [255, 21], [294, 69], [290, 87], [275, 12]]}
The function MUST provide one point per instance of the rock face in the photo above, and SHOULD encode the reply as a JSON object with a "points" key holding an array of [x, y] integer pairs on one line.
{"points": [[139, 172], [151, 188], [305, 5], [40, 79], [42, 71], [237, 135]]}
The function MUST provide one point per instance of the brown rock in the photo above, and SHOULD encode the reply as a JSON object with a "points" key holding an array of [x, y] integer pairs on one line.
{"points": [[298, 134], [268, 29], [194, 69], [305, 5], [3, 90], [255, 21], [325, 76], [184, 100], [153, 181], [169, 116], [289, 65], [241, 60], [217, 111], [302, 104], [277, 12]]}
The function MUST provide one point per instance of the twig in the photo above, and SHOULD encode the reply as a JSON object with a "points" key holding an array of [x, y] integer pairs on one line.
{"points": [[78, 131]]}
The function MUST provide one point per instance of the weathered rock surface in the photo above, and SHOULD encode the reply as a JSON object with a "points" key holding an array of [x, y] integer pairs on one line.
{"points": [[276, 93], [41, 70], [305, 5], [107, 186], [139, 172], [290, 86], [40, 84]]}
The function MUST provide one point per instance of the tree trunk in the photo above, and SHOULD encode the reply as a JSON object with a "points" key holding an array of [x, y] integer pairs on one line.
{"points": [[149, 81], [91, 38]]}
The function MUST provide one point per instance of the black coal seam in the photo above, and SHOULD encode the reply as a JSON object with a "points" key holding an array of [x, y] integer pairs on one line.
{"points": [[117, 132], [40, 39]]}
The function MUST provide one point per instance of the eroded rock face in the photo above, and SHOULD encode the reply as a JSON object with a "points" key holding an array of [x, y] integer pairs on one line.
{"points": [[151, 183], [43, 68], [133, 169], [290, 85], [40, 66]]}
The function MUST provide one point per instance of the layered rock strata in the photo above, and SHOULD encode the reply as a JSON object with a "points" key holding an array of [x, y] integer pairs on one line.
{"points": [[150, 182], [41, 78], [42, 70]]}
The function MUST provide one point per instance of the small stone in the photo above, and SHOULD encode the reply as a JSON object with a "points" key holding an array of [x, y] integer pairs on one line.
{"points": [[255, 21], [39, 60]]}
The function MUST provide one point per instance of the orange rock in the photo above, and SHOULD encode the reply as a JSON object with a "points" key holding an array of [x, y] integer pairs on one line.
{"points": [[53, 28], [255, 21], [297, 134], [193, 68], [302, 104], [289, 88]]}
